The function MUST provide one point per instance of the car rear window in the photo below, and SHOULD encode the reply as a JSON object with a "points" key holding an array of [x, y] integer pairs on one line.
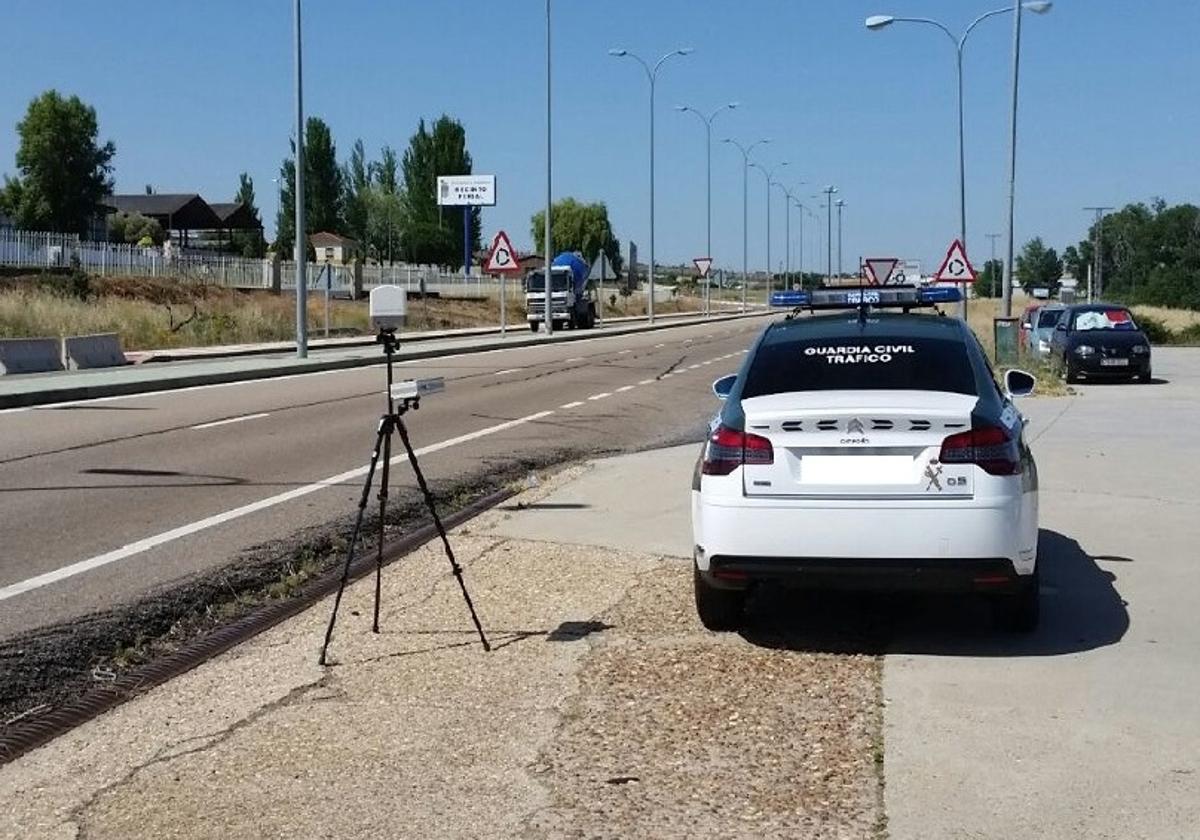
{"points": [[860, 364], [1048, 318], [1104, 319]]}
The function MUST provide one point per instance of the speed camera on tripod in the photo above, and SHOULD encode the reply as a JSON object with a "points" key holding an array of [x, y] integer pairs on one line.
{"points": [[389, 308]]}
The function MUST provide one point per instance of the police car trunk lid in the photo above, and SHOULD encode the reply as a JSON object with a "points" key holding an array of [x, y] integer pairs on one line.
{"points": [[858, 444]]}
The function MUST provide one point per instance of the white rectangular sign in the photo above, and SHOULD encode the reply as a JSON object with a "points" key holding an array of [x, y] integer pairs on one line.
{"points": [[466, 190]]}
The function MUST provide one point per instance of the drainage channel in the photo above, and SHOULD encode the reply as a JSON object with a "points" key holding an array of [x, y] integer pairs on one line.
{"points": [[22, 738]]}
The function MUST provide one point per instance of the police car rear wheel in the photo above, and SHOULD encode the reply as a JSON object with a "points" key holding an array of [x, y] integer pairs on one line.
{"points": [[720, 610], [1020, 611]]}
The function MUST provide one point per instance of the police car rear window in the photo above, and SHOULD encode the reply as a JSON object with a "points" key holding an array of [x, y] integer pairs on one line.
{"points": [[860, 364]]}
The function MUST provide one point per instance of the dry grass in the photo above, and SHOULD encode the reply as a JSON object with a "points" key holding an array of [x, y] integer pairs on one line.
{"points": [[1175, 320], [151, 314]]}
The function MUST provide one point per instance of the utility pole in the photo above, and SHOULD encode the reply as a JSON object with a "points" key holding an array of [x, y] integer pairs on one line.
{"points": [[301, 237], [829, 191], [548, 256], [1098, 243], [840, 205]]}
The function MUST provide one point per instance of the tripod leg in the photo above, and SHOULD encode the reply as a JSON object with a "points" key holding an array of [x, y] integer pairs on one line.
{"points": [[437, 522], [380, 437], [384, 478]]}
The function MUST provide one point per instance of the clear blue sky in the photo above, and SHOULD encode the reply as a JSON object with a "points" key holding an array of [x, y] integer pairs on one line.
{"points": [[194, 93]]}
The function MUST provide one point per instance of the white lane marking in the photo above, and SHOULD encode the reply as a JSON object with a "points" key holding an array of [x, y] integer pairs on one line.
{"points": [[666, 376], [574, 359], [507, 370], [646, 382], [693, 367], [623, 352], [575, 404], [229, 420], [600, 396], [144, 545], [660, 345], [625, 388]]}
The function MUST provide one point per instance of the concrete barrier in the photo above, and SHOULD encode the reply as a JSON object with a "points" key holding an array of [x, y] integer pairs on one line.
{"points": [[93, 351], [30, 355]]}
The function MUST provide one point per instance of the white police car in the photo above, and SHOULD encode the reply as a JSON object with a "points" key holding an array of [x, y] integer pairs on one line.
{"points": [[867, 449]]}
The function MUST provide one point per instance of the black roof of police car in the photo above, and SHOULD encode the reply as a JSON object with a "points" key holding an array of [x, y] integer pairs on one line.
{"points": [[847, 324]]}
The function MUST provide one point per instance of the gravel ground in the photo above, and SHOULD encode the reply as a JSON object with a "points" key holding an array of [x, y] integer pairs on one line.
{"points": [[605, 711]]}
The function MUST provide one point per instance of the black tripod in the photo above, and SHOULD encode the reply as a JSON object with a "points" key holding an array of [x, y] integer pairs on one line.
{"points": [[391, 422]]}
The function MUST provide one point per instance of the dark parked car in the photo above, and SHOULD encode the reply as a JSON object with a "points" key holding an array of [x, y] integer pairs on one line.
{"points": [[1100, 341]]}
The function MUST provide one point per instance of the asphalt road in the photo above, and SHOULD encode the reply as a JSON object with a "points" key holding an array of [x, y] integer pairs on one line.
{"points": [[103, 501]]}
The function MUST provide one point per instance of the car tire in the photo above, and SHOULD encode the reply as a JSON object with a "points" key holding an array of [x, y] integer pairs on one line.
{"points": [[720, 610], [1020, 611], [1145, 378], [1071, 374]]}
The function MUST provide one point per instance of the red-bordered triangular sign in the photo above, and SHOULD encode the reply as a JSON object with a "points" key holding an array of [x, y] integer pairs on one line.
{"points": [[502, 259], [703, 264], [956, 268], [879, 269]]}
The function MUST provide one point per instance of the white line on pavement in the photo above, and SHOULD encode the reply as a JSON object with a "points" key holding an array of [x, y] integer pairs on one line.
{"points": [[693, 367], [660, 345], [229, 420], [623, 352], [600, 396], [507, 370], [144, 545], [646, 382], [625, 388], [574, 359], [575, 404]]}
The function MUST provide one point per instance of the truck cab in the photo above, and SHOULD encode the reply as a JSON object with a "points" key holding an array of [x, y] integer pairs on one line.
{"points": [[572, 303]]}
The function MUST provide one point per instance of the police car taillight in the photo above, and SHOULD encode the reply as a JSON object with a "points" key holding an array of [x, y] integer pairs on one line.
{"points": [[988, 447], [729, 449]]}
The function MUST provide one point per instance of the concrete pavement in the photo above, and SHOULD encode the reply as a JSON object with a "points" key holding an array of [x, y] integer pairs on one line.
{"points": [[1089, 728]]}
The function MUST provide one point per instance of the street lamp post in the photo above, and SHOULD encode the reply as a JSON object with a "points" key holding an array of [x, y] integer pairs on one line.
{"points": [[708, 121], [301, 243], [767, 174], [877, 22], [652, 76], [840, 205], [788, 198], [548, 255], [829, 192], [745, 150]]}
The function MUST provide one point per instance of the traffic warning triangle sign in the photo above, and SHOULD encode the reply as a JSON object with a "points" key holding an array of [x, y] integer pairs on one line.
{"points": [[703, 265], [502, 259], [956, 268], [879, 269]]}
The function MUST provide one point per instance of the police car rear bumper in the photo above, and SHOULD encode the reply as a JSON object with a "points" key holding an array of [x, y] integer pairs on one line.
{"points": [[863, 544]]}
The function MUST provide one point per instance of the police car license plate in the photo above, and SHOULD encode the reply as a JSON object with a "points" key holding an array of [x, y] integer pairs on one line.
{"points": [[1114, 363]]}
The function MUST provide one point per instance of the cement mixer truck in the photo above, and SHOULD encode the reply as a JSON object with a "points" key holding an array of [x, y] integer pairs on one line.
{"points": [[572, 299]]}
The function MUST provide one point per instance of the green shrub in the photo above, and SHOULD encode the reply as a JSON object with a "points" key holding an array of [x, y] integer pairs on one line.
{"points": [[1155, 330]]}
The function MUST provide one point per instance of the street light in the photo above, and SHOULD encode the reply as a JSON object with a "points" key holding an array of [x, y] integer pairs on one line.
{"points": [[548, 312], [768, 174], [745, 150], [652, 76], [840, 205], [301, 244], [787, 233], [708, 121], [829, 192], [877, 22]]}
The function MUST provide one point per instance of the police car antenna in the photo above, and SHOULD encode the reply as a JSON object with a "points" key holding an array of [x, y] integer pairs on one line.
{"points": [[402, 397]]}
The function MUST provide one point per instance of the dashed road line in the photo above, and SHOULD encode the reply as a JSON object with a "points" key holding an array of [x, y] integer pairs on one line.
{"points": [[575, 404], [229, 420], [625, 388], [601, 395], [507, 370], [646, 382]]}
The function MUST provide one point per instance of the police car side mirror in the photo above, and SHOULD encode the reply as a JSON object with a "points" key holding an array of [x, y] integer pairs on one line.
{"points": [[1018, 383], [724, 385]]}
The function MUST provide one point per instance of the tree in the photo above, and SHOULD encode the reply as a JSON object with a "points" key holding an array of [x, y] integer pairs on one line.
{"points": [[1039, 267], [990, 281], [248, 243], [385, 171], [134, 228], [385, 222], [322, 188], [356, 181], [64, 173], [434, 234], [577, 227]]}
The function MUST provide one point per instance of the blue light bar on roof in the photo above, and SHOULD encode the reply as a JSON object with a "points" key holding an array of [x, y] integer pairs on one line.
{"points": [[790, 299], [940, 294]]}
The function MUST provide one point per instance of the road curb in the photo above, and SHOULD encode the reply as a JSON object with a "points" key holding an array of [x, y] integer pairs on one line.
{"points": [[117, 389]]}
